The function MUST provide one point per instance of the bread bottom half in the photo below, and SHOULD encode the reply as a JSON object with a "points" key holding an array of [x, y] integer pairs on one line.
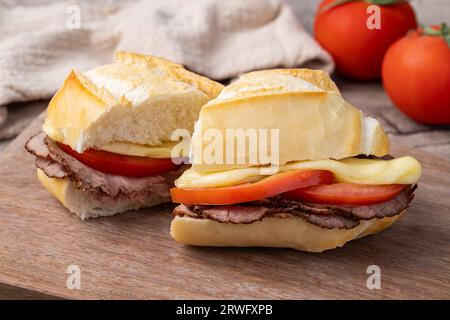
{"points": [[85, 205], [292, 232]]}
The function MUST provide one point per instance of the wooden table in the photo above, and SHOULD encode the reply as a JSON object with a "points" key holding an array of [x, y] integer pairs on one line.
{"points": [[132, 255]]}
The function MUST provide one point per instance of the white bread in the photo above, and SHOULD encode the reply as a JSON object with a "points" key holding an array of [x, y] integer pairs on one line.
{"points": [[295, 233], [313, 119], [138, 99], [85, 205]]}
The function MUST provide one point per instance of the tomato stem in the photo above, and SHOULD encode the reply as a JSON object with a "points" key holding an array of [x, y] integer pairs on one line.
{"points": [[443, 31], [337, 3]]}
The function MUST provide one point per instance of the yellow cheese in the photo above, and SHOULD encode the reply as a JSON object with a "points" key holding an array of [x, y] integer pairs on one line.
{"points": [[131, 149], [404, 170]]}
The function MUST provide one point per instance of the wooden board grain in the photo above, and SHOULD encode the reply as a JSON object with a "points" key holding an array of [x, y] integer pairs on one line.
{"points": [[132, 255]]}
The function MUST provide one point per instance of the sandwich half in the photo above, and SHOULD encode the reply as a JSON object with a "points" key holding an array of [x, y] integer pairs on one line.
{"points": [[106, 143], [280, 159]]}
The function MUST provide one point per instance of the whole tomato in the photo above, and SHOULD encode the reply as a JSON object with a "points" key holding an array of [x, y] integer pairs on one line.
{"points": [[416, 75], [341, 28]]}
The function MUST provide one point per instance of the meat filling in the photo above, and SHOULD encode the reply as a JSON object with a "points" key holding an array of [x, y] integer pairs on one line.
{"points": [[323, 215], [55, 163]]}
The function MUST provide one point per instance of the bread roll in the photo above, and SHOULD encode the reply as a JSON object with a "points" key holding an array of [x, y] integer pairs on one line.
{"points": [[293, 233], [137, 99], [313, 120]]}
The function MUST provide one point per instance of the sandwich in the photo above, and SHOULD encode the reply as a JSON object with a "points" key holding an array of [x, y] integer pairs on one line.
{"points": [[106, 142], [280, 159]]}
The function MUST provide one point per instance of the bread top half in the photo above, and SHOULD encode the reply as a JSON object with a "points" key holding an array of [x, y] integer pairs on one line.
{"points": [[312, 118], [138, 99]]}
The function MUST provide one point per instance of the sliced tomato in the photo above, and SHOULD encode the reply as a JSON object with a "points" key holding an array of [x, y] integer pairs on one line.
{"points": [[122, 165], [346, 193], [267, 187]]}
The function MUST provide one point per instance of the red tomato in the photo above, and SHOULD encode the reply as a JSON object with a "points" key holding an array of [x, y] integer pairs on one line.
{"points": [[357, 50], [122, 165], [416, 76], [346, 193], [262, 189]]}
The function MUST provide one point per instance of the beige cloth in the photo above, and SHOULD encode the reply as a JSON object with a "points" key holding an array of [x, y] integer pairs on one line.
{"points": [[40, 40]]}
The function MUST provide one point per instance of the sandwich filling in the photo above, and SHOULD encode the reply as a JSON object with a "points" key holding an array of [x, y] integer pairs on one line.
{"points": [[326, 216], [326, 198], [106, 187]]}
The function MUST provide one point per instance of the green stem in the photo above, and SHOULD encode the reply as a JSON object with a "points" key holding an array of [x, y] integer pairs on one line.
{"points": [[443, 31]]}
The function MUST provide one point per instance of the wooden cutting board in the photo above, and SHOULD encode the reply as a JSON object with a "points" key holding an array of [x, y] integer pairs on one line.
{"points": [[133, 256]]}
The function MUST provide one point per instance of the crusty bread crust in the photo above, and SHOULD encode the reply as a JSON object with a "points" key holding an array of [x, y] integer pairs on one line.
{"points": [[293, 232]]}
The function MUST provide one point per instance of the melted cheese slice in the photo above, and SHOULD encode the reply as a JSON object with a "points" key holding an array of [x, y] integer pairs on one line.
{"points": [[404, 170], [131, 149]]}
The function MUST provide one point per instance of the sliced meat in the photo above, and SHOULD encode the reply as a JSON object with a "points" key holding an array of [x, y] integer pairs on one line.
{"points": [[369, 156], [225, 214], [328, 221], [36, 145], [385, 209], [249, 214], [51, 169], [235, 214], [58, 164], [323, 215], [319, 217], [379, 210]]}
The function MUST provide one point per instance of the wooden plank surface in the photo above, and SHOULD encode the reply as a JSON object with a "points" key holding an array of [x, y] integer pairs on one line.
{"points": [[132, 255]]}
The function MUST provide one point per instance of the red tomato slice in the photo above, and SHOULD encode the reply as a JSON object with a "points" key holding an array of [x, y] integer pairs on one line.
{"points": [[346, 193], [267, 187], [122, 165]]}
